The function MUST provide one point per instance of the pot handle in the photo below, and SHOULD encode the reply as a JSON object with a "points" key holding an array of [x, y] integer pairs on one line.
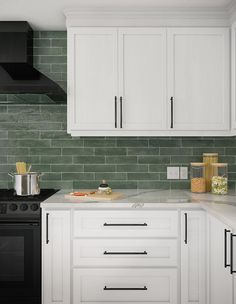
{"points": [[11, 175]]}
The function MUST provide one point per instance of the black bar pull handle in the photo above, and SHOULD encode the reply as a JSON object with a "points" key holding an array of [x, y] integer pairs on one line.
{"points": [[128, 252], [232, 253], [124, 288], [47, 240], [121, 112], [185, 228], [225, 249], [106, 224], [115, 111], [172, 112]]}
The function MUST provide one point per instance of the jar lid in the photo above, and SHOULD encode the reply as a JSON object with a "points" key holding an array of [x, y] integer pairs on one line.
{"points": [[210, 154], [219, 164], [197, 164]]}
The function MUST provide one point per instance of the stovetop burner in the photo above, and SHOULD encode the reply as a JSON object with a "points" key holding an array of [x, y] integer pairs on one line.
{"points": [[14, 206], [9, 195]]}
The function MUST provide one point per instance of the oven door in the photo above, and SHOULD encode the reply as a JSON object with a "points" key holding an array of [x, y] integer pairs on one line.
{"points": [[20, 258]]}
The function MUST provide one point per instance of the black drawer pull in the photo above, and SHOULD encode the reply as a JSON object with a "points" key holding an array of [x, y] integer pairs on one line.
{"points": [[225, 242], [105, 224], [185, 228], [123, 288], [115, 112], [129, 252], [232, 253]]}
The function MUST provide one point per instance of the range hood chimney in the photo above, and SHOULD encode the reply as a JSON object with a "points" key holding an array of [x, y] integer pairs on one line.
{"points": [[17, 74]]}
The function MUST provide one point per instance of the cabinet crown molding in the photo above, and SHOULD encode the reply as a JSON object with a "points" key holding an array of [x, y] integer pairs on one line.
{"points": [[151, 16]]}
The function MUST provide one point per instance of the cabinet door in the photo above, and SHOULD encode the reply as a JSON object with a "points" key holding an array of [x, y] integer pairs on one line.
{"points": [[220, 281], [142, 78], [56, 257], [193, 257], [233, 75], [92, 78], [198, 78]]}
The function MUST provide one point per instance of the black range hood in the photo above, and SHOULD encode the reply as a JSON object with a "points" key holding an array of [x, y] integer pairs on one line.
{"points": [[17, 74]]}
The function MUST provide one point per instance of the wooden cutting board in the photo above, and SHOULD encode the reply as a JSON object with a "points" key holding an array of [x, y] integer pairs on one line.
{"points": [[97, 196]]}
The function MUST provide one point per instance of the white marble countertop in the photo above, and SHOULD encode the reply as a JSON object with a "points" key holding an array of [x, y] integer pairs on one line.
{"points": [[221, 206]]}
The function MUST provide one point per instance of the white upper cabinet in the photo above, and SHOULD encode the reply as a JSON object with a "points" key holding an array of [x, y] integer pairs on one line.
{"points": [[198, 78], [121, 81], [233, 75], [142, 78], [92, 77]]}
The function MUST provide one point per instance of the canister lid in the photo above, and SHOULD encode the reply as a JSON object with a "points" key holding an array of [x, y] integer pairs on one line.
{"points": [[219, 164], [197, 164], [210, 154]]}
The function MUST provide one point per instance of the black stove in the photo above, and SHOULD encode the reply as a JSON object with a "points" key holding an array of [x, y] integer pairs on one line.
{"points": [[12, 205], [20, 247]]}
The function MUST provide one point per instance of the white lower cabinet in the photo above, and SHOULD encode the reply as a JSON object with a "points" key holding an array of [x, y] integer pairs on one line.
{"points": [[125, 286], [193, 257], [220, 281], [56, 257], [136, 257]]}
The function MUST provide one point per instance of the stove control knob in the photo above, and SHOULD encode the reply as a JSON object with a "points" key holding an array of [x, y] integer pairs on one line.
{"points": [[13, 207], [23, 207], [34, 207]]}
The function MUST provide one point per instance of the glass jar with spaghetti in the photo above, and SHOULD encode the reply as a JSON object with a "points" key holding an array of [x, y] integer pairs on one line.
{"points": [[198, 179]]}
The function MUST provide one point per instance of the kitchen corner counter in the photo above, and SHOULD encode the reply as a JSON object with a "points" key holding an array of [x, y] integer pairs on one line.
{"points": [[222, 207]]}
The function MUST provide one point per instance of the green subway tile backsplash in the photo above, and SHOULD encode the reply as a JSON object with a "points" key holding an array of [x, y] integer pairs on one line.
{"points": [[36, 133]]}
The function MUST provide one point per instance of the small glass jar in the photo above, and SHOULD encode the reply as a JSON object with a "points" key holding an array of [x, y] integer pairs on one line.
{"points": [[219, 181], [209, 158], [198, 179]]}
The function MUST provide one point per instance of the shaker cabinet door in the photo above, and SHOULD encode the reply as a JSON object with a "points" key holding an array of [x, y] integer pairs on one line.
{"points": [[193, 257], [198, 78], [92, 78], [142, 78], [56, 257]]}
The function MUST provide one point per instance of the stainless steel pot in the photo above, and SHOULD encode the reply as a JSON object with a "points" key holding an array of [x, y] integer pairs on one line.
{"points": [[26, 184]]}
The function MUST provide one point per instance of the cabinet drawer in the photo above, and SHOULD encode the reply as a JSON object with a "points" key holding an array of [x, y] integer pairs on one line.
{"points": [[125, 286], [125, 223], [125, 252]]}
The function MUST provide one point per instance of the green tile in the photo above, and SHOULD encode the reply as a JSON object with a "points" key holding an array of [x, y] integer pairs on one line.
{"points": [[180, 185], [43, 43], [40, 51], [99, 168], [99, 143], [110, 151], [24, 143], [59, 67], [198, 142], [67, 168], [52, 59], [44, 126], [132, 168], [132, 142], [57, 134], [40, 168], [164, 142], [200, 151], [23, 134], [157, 168], [14, 151], [117, 184], [3, 108], [51, 176], [77, 151], [143, 151], [228, 142], [121, 159], [176, 151], [108, 176], [27, 159], [143, 176], [185, 159], [89, 159], [230, 151], [53, 34], [86, 184], [57, 185], [47, 159], [3, 134], [59, 43], [77, 176], [45, 151], [154, 159]]}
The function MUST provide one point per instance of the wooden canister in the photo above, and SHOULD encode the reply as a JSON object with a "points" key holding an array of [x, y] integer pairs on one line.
{"points": [[208, 159]]}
